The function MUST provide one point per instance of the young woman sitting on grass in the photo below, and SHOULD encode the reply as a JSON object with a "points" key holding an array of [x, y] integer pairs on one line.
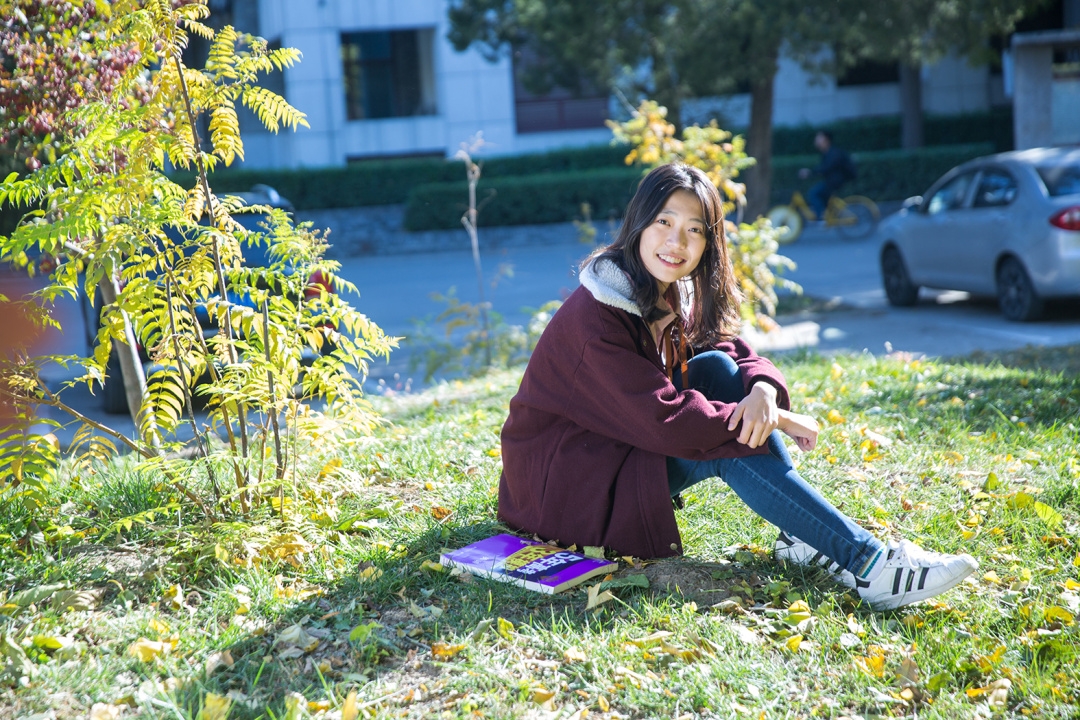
{"points": [[641, 387]]}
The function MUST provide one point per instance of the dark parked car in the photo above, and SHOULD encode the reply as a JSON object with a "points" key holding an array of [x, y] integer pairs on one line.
{"points": [[1007, 225]]}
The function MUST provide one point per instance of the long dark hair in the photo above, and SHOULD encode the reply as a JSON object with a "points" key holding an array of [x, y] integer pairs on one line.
{"points": [[714, 313]]}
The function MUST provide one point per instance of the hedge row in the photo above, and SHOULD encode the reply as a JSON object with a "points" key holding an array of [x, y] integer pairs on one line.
{"points": [[388, 182], [524, 200], [882, 175], [557, 197], [883, 132]]}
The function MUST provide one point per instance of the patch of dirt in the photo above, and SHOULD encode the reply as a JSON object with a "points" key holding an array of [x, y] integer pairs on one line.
{"points": [[703, 583]]}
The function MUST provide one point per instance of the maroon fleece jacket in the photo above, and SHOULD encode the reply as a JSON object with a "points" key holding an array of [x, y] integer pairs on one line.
{"points": [[584, 447]]}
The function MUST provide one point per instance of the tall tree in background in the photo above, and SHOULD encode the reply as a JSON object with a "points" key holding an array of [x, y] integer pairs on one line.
{"points": [[916, 33], [667, 50]]}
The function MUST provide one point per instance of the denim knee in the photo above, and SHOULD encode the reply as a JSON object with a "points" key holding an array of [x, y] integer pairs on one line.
{"points": [[716, 376]]}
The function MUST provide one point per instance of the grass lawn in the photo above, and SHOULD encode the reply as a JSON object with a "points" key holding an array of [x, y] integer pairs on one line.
{"points": [[340, 610]]}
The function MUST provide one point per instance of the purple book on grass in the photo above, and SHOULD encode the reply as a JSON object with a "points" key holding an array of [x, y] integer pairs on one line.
{"points": [[528, 563]]}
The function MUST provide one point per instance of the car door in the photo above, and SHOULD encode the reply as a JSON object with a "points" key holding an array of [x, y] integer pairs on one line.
{"points": [[935, 228], [984, 231]]}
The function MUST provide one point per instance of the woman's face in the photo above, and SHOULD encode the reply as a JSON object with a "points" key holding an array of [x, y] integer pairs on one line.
{"points": [[672, 245]]}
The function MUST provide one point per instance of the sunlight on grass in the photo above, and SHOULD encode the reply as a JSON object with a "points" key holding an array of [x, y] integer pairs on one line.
{"points": [[339, 609]]}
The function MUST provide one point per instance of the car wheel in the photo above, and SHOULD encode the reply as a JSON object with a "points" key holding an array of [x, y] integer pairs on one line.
{"points": [[899, 289], [113, 396], [1016, 295]]}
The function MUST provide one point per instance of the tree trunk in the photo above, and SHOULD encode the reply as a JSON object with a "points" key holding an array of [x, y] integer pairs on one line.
{"points": [[759, 147], [128, 354], [911, 115]]}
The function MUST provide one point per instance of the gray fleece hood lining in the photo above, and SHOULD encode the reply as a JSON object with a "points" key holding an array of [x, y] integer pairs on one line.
{"points": [[609, 284]]}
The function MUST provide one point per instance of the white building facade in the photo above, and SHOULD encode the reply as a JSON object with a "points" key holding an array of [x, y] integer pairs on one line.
{"points": [[380, 79]]}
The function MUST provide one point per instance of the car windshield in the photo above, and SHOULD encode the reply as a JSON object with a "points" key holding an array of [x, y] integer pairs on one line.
{"points": [[1061, 179]]}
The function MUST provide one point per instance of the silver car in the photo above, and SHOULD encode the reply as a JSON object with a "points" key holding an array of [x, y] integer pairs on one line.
{"points": [[1005, 225]]}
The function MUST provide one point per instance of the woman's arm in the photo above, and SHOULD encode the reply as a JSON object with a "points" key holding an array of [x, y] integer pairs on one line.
{"points": [[802, 428]]}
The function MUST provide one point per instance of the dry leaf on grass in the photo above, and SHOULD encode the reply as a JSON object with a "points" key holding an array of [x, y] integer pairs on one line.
{"points": [[596, 597]]}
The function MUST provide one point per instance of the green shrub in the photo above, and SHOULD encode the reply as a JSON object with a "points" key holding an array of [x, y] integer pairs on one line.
{"points": [[883, 175], [388, 182], [883, 132], [557, 197], [526, 200]]}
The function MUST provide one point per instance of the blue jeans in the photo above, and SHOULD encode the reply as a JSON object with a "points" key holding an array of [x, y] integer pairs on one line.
{"points": [[818, 198], [769, 484]]}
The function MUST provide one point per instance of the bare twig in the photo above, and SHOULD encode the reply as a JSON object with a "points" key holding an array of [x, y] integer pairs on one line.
{"points": [[200, 439], [215, 248]]}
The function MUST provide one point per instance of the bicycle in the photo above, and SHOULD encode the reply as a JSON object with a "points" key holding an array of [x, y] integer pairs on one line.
{"points": [[855, 216]]}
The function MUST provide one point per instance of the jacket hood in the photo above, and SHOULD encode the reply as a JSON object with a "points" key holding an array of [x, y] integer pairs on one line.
{"points": [[607, 282]]}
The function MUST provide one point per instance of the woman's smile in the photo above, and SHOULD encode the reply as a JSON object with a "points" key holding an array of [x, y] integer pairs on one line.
{"points": [[671, 247]]}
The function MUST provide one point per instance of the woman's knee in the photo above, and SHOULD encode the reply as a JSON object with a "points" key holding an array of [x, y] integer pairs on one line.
{"points": [[716, 376]]}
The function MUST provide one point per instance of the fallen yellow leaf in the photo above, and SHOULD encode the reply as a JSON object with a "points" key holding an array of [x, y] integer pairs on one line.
{"points": [[1059, 613], [541, 695], [992, 577], [505, 627], [793, 643], [574, 655], [596, 597], [215, 707], [836, 371], [445, 651], [146, 650], [349, 709], [835, 417], [952, 457], [432, 566]]}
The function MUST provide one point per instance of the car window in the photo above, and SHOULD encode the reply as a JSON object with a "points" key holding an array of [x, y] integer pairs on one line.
{"points": [[1061, 179], [996, 188], [950, 195]]}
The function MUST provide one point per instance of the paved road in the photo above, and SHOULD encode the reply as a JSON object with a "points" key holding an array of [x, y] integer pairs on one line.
{"points": [[396, 290]]}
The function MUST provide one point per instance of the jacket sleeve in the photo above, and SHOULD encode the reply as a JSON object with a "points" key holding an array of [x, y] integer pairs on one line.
{"points": [[618, 393], [755, 368]]}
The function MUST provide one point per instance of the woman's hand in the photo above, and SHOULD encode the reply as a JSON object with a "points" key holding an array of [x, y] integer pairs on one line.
{"points": [[802, 428], [758, 414]]}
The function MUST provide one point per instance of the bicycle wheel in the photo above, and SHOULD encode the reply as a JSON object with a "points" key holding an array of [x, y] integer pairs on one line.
{"points": [[788, 221], [859, 218]]}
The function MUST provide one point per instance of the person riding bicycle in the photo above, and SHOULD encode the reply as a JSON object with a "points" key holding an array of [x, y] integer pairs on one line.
{"points": [[836, 168]]}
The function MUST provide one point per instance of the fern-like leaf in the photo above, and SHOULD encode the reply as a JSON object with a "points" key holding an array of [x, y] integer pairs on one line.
{"points": [[272, 109]]}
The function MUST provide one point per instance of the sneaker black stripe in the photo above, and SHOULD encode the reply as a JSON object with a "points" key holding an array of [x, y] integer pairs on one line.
{"points": [[896, 581], [860, 583], [922, 577], [910, 578], [816, 559], [785, 538]]}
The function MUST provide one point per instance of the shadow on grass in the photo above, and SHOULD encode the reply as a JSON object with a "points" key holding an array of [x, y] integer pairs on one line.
{"points": [[409, 609]]}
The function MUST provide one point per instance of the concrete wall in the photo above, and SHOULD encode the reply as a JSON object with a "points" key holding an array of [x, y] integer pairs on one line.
{"points": [[949, 87]]}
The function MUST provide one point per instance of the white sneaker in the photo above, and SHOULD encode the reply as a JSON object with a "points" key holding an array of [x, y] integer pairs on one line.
{"points": [[793, 550], [911, 574]]}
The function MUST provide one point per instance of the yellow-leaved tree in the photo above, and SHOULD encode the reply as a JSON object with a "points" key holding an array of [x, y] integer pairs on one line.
{"points": [[166, 263], [722, 157]]}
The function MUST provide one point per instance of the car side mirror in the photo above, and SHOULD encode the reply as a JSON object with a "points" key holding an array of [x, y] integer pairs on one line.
{"points": [[913, 203]]}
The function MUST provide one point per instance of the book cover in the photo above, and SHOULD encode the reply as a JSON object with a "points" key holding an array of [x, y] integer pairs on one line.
{"points": [[528, 563]]}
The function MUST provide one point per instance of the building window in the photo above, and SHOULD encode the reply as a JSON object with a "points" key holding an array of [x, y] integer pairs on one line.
{"points": [[869, 72], [556, 109], [388, 74]]}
